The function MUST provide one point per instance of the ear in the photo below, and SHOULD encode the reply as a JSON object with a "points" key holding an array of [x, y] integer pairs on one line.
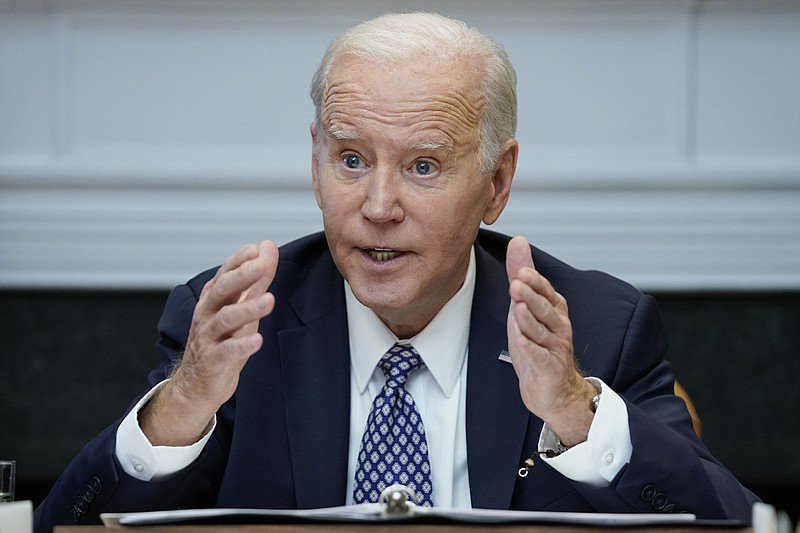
{"points": [[501, 181], [316, 149]]}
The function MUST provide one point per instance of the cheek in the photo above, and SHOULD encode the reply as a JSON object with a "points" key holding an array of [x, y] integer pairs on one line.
{"points": [[464, 210], [338, 204], [326, 188]]}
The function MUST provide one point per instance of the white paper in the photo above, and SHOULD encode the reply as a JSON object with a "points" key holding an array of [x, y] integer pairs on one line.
{"points": [[16, 517], [375, 512]]}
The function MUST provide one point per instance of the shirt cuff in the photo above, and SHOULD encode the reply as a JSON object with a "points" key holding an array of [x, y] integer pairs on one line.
{"points": [[146, 462], [607, 448]]}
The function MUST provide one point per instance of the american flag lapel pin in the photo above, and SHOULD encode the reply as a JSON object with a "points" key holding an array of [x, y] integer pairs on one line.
{"points": [[504, 356]]}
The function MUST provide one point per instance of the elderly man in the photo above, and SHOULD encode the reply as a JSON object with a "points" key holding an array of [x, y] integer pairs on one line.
{"points": [[404, 344]]}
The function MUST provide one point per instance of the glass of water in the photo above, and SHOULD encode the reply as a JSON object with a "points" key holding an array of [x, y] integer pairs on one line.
{"points": [[8, 478]]}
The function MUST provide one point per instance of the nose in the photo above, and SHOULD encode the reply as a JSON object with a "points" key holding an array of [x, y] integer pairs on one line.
{"points": [[382, 202]]}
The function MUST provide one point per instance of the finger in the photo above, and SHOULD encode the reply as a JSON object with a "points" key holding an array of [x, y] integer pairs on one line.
{"points": [[541, 285], [516, 337], [209, 346], [544, 349], [238, 350], [239, 319], [531, 359], [531, 288], [233, 302], [236, 284], [268, 252], [545, 304], [530, 327], [244, 254], [518, 256], [519, 265]]}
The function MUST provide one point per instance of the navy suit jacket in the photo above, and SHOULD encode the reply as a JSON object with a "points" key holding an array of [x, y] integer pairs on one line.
{"points": [[282, 440]]}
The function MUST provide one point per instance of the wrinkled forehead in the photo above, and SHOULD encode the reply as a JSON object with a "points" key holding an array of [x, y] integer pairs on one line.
{"points": [[420, 92]]}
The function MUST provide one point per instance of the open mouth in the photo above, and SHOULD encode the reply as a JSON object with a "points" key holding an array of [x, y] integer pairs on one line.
{"points": [[382, 254]]}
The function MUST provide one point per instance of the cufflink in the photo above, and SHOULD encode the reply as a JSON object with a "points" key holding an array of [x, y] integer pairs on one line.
{"points": [[595, 403]]}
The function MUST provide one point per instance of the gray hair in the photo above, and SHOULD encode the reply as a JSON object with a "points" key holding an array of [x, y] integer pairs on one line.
{"points": [[399, 37]]}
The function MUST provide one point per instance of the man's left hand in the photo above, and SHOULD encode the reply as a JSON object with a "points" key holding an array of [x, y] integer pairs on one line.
{"points": [[540, 345]]}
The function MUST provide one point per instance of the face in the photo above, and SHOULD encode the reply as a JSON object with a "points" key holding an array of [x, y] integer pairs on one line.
{"points": [[396, 175]]}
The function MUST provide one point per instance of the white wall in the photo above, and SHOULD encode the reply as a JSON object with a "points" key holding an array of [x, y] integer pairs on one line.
{"points": [[144, 140]]}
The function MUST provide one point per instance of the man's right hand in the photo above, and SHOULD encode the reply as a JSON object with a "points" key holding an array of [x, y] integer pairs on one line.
{"points": [[223, 336]]}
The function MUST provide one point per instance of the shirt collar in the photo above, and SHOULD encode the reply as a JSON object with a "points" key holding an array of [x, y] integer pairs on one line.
{"points": [[442, 344]]}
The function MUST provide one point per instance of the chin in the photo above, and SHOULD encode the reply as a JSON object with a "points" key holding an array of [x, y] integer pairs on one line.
{"points": [[379, 297], [381, 300]]}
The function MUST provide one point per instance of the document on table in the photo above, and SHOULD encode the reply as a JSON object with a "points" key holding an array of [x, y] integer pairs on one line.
{"points": [[376, 512]]}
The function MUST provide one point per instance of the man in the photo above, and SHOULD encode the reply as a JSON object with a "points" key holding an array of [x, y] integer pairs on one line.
{"points": [[272, 358]]}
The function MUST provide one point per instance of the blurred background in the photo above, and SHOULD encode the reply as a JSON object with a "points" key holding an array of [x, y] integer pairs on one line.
{"points": [[143, 141]]}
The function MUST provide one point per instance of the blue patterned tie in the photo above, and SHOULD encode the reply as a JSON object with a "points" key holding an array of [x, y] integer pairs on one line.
{"points": [[394, 449]]}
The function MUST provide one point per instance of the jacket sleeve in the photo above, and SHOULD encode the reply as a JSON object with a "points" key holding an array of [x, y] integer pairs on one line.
{"points": [[670, 469], [95, 483]]}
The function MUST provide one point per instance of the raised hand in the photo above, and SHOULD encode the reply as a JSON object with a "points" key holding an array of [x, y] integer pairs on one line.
{"points": [[223, 335], [540, 345]]}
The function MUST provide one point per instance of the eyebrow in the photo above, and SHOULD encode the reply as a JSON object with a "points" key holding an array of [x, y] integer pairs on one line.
{"points": [[339, 134], [433, 146]]}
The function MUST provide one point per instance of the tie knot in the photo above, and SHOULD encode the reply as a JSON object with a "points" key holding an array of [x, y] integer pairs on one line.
{"points": [[399, 362]]}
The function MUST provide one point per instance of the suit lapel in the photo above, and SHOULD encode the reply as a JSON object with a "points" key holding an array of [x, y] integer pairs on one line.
{"points": [[496, 417], [315, 362]]}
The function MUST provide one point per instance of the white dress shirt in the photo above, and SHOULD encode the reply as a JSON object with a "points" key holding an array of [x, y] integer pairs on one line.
{"points": [[439, 389]]}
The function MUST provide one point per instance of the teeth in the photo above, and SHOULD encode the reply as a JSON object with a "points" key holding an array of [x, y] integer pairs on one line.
{"points": [[381, 254]]}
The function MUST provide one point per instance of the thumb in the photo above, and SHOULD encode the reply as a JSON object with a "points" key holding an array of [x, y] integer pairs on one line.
{"points": [[518, 255]]}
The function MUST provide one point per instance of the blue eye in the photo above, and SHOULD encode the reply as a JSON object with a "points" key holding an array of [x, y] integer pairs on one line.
{"points": [[423, 167], [352, 161]]}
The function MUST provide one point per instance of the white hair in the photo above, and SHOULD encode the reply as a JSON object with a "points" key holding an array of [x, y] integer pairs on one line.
{"points": [[400, 37]]}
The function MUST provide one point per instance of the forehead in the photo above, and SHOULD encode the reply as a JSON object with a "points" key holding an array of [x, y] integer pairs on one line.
{"points": [[439, 98]]}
